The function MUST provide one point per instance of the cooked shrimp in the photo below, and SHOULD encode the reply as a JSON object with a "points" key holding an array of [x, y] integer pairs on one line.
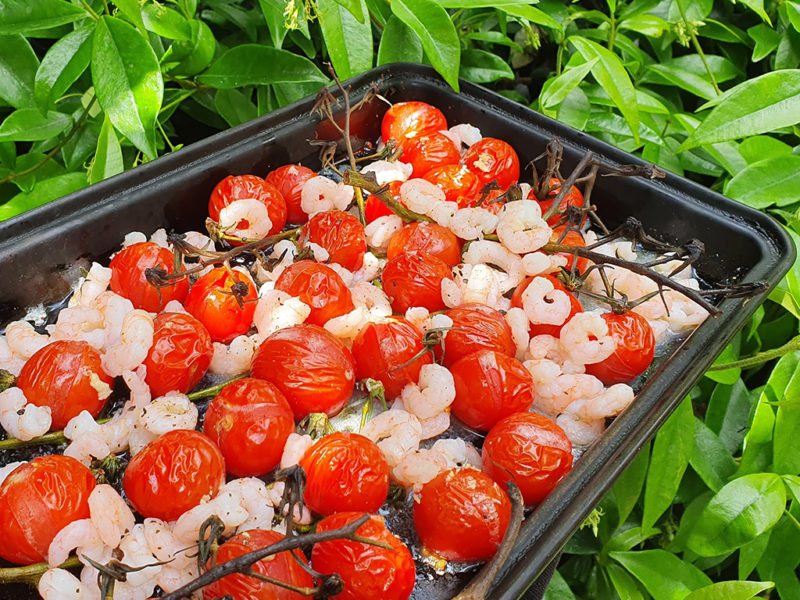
{"points": [[549, 347], [518, 322], [386, 171], [136, 553], [458, 453], [200, 241], [162, 543], [381, 230], [160, 237], [20, 419], [580, 432], [134, 237], [436, 425], [23, 340], [521, 228], [276, 310], [60, 584], [396, 432], [79, 324], [443, 213], [421, 196], [79, 535], [370, 269], [320, 194], [168, 413], [586, 339], [608, 403], [294, 449], [135, 341], [96, 283], [174, 306], [87, 439], [236, 358], [246, 218], [114, 308], [321, 255], [473, 223], [539, 263], [8, 360], [282, 255], [416, 469], [479, 284], [255, 500], [464, 134], [492, 253], [372, 299], [543, 304], [433, 394], [227, 505], [110, 515], [5, 470], [275, 494]]}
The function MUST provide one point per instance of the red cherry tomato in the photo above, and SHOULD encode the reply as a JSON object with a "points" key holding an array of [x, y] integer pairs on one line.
{"points": [[341, 234], [128, 277], [289, 181], [180, 354], [381, 351], [572, 197], [415, 279], [493, 160], [634, 345], [174, 473], [67, 377], [459, 184], [541, 328], [490, 386], [282, 566], [428, 150], [213, 301], [37, 500], [345, 471], [240, 187], [571, 238], [462, 514], [318, 286], [475, 327], [530, 450], [249, 420], [374, 208], [368, 572], [312, 368], [406, 120], [432, 238]]}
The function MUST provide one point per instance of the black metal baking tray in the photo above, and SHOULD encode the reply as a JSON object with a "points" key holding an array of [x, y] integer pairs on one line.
{"points": [[742, 245]]}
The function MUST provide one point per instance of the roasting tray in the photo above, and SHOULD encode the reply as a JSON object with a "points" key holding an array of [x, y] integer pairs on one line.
{"points": [[39, 251]]}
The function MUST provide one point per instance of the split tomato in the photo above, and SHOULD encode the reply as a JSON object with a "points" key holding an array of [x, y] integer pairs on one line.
{"points": [[224, 301], [542, 328], [129, 278], [341, 234], [493, 160], [634, 348], [241, 187]]}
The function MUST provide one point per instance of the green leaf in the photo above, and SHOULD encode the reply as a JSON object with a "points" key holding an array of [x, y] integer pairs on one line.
{"points": [[786, 458], [44, 169], [66, 60], [766, 39], [559, 87], [750, 554], [398, 43], [529, 13], [664, 575], [127, 80], [729, 407], [691, 514], [558, 589], [26, 16], [349, 42], [235, 107], [793, 12], [43, 192], [166, 22], [671, 452], [757, 6], [760, 147], [494, 37], [689, 73], [575, 110], [648, 25], [108, 158], [357, 8], [436, 32], [273, 14], [611, 75], [757, 444], [18, 65], [728, 355], [767, 182], [711, 459], [628, 486], [133, 10], [625, 540], [624, 584], [755, 106], [741, 511], [251, 64], [29, 125], [480, 66], [196, 54], [696, 10], [730, 590]]}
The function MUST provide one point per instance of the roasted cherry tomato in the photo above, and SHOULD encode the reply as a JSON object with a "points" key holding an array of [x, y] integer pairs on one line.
{"points": [[67, 377], [570, 238], [543, 328], [128, 278], [462, 514], [37, 500], [475, 327], [415, 279], [374, 208], [341, 234], [530, 450], [493, 160], [174, 473], [382, 350], [634, 345], [432, 238], [289, 181], [406, 120], [313, 369], [249, 420], [180, 354], [369, 572], [224, 301], [459, 184], [428, 150], [490, 386], [241, 187], [345, 471], [320, 287], [572, 197], [281, 566]]}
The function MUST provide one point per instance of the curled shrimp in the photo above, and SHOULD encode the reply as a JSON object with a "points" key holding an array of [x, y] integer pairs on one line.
{"points": [[295, 447], [521, 228], [549, 347], [436, 425], [433, 394], [86, 437], [60, 584], [110, 515], [79, 324], [381, 230], [543, 304], [396, 432], [20, 419], [95, 283], [255, 500], [135, 341], [168, 413], [539, 263], [8, 360], [80, 535], [282, 255], [421, 196], [160, 237], [134, 237], [235, 358], [607, 403], [586, 339], [23, 340], [479, 283], [320, 194], [417, 468], [464, 134], [246, 218], [370, 269], [200, 241], [518, 322], [227, 505], [486, 252], [276, 310], [473, 223], [386, 171], [136, 553], [580, 432]]}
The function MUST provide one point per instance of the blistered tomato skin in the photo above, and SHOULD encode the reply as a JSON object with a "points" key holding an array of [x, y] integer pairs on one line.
{"points": [[530, 450], [428, 150], [67, 377], [249, 420], [341, 234], [406, 120], [282, 566], [374, 208], [634, 348], [476, 327], [541, 328], [318, 286], [459, 184], [212, 301], [311, 367], [180, 354], [381, 351], [289, 180], [414, 279], [129, 279], [173, 474], [369, 572], [37, 500], [240, 187], [462, 514], [345, 471], [493, 160], [432, 238], [573, 197], [490, 386]]}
